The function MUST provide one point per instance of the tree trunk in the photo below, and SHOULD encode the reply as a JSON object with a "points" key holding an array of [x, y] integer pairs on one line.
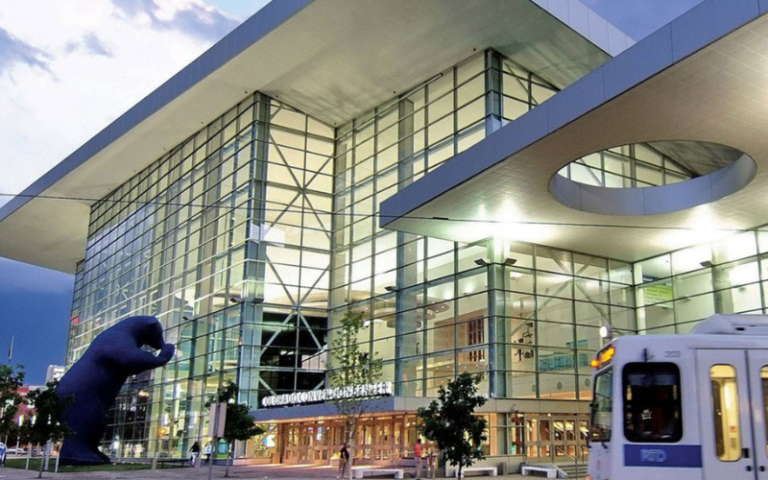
{"points": [[226, 461], [42, 462], [351, 447]]}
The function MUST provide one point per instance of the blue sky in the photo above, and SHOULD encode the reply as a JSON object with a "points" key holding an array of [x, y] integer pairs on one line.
{"points": [[67, 69]]}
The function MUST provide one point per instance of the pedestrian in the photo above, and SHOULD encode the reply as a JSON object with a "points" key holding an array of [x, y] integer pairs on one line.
{"points": [[343, 460], [195, 450], [208, 450], [3, 452], [417, 456]]}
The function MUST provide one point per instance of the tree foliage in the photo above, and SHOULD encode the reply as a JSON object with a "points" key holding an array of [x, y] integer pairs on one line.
{"points": [[352, 367], [239, 423], [459, 434], [11, 380], [49, 412]]}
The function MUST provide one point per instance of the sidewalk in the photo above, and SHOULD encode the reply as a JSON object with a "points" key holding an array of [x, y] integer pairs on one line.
{"points": [[246, 472]]}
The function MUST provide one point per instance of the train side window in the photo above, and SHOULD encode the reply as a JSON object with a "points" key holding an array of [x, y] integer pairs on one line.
{"points": [[602, 407], [725, 411], [652, 407]]}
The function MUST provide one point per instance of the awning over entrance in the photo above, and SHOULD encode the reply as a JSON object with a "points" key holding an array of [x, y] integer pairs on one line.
{"points": [[411, 404], [319, 410]]}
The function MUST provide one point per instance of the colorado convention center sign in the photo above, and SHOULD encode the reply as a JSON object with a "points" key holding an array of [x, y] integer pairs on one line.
{"points": [[381, 389]]}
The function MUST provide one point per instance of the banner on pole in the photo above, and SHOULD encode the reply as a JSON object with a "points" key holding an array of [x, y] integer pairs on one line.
{"points": [[217, 419]]}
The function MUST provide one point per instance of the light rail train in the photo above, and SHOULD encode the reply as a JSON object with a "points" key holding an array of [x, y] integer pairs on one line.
{"points": [[683, 407]]}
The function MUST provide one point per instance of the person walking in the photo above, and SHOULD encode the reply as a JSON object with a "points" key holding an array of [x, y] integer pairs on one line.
{"points": [[343, 460], [208, 451], [195, 451], [417, 456]]}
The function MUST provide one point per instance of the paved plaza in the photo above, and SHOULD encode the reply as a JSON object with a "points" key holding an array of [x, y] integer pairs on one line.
{"points": [[298, 472]]}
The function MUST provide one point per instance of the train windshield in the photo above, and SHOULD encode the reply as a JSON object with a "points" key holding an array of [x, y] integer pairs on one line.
{"points": [[652, 410], [602, 407]]}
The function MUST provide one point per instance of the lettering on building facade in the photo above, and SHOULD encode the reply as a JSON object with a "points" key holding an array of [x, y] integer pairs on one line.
{"points": [[381, 389]]}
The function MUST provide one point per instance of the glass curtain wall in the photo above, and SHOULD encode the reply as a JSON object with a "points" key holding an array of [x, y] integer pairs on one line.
{"points": [[226, 239], [229, 239], [550, 307], [678, 289], [435, 308]]}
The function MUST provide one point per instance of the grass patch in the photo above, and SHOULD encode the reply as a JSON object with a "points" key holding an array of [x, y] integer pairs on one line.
{"points": [[34, 464]]}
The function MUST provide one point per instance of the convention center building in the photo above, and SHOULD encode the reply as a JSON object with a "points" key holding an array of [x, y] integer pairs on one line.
{"points": [[496, 185]]}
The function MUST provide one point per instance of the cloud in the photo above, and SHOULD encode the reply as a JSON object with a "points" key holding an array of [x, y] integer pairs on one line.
{"points": [[192, 18], [13, 50], [67, 69], [91, 43], [94, 45]]}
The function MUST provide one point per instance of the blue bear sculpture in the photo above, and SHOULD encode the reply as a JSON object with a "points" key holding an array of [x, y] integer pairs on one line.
{"points": [[96, 379]]}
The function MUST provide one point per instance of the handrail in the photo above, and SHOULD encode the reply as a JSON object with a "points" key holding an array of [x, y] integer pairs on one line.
{"points": [[565, 453], [574, 458]]}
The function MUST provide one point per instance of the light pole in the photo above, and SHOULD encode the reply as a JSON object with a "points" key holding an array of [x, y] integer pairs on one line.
{"points": [[18, 433]]}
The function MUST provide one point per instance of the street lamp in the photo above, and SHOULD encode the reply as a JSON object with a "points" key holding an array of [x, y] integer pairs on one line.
{"points": [[606, 332], [507, 261]]}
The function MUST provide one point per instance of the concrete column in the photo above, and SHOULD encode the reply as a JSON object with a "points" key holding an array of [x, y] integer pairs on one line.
{"points": [[406, 319]]}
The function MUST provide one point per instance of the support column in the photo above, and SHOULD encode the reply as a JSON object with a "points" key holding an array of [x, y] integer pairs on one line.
{"points": [[252, 295], [406, 320], [493, 100], [496, 283]]}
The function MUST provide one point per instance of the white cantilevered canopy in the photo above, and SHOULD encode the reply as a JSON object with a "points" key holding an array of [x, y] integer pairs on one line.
{"points": [[703, 77], [330, 58]]}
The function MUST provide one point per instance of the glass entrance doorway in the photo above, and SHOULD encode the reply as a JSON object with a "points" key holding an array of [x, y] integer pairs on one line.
{"points": [[380, 439], [557, 438]]}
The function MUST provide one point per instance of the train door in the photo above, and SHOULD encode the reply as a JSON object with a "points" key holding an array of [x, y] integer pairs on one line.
{"points": [[757, 361], [732, 414]]}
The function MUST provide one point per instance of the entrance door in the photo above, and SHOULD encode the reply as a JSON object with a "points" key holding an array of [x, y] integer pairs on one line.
{"points": [[556, 438], [732, 410]]}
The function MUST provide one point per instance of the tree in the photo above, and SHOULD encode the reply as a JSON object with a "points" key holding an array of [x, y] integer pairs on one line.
{"points": [[239, 423], [49, 411], [459, 434], [352, 368], [11, 380], [20, 434]]}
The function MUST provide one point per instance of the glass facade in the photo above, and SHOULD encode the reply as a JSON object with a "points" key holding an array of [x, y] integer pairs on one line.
{"points": [[228, 240], [253, 237], [225, 239], [678, 289], [531, 327], [432, 311]]}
